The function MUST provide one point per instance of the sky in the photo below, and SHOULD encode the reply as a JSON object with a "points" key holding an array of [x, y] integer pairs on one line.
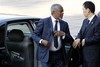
{"points": [[41, 8]]}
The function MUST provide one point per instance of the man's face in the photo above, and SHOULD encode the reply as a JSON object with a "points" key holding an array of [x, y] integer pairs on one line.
{"points": [[59, 14], [86, 11]]}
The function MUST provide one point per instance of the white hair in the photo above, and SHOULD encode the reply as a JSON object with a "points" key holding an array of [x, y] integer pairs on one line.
{"points": [[56, 7]]}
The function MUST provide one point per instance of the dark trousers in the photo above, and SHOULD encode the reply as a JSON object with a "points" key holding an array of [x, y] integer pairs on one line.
{"points": [[91, 64], [55, 59]]}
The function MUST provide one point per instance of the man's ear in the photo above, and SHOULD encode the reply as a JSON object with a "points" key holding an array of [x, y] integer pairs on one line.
{"points": [[88, 10]]}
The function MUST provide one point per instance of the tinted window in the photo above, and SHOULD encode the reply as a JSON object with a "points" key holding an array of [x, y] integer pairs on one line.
{"points": [[34, 23], [21, 26]]}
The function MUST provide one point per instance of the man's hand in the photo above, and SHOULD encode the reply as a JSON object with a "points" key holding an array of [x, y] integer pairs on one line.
{"points": [[76, 43], [83, 42], [59, 33], [45, 43]]}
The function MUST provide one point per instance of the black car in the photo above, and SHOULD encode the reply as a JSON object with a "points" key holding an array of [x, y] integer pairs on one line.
{"points": [[16, 45], [17, 48]]}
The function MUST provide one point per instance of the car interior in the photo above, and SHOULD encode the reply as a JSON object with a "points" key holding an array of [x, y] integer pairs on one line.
{"points": [[16, 45], [20, 48]]}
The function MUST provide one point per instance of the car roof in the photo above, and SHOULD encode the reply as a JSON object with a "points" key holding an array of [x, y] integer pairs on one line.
{"points": [[9, 17]]}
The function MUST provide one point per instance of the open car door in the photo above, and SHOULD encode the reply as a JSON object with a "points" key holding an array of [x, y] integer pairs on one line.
{"points": [[4, 55]]}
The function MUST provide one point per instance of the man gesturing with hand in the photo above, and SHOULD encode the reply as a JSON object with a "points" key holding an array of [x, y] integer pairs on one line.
{"points": [[51, 35]]}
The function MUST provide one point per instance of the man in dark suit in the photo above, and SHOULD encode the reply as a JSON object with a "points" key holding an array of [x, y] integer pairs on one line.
{"points": [[51, 34], [89, 37]]}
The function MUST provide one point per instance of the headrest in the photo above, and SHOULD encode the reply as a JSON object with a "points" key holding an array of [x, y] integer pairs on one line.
{"points": [[16, 35]]}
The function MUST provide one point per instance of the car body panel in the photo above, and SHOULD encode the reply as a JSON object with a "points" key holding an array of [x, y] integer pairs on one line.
{"points": [[4, 18], [8, 23]]}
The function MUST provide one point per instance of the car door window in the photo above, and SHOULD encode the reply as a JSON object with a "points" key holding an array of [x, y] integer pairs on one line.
{"points": [[34, 24], [23, 26]]}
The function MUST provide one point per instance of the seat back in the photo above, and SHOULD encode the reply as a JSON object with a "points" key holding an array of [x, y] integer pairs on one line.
{"points": [[20, 48]]}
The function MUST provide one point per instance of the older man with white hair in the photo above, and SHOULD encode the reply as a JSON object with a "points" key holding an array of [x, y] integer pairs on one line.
{"points": [[51, 34]]}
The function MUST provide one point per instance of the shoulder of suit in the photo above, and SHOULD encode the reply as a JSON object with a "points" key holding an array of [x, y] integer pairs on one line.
{"points": [[64, 21], [45, 19], [85, 20], [98, 18]]}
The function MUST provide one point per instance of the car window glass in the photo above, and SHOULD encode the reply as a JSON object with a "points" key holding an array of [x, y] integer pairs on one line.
{"points": [[34, 23], [22, 27]]}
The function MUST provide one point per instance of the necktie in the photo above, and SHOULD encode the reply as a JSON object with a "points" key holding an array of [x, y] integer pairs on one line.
{"points": [[88, 22], [56, 38]]}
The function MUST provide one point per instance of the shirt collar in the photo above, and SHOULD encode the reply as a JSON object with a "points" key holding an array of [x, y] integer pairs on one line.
{"points": [[53, 19], [90, 19]]}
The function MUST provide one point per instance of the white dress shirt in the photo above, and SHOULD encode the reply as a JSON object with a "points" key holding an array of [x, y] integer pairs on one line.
{"points": [[90, 19], [52, 47]]}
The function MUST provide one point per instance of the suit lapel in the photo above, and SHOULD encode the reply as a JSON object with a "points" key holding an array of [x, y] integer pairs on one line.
{"points": [[91, 24], [85, 26], [50, 25], [93, 20], [50, 28], [61, 25]]}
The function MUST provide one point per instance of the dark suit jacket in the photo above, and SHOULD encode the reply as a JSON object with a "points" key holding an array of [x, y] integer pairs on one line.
{"points": [[91, 49], [44, 30]]}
